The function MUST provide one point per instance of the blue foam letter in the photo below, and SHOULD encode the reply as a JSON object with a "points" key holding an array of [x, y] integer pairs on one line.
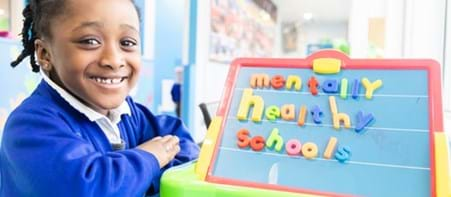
{"points": [[363, 121], [355, 89], [343, 154], [330, 86], [316, 113]]}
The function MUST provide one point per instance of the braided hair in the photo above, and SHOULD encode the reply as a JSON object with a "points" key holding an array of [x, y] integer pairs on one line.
{"points": [[38, 15]]}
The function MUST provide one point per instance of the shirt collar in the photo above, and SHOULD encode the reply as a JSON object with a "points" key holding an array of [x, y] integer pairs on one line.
{"points": [[114, 115]]}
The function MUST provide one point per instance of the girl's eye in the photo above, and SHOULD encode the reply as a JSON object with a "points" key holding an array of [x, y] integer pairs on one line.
{"points": [[89, 41], [128, 43]]}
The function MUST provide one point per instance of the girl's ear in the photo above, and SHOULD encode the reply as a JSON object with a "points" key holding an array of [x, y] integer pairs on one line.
{"points": [[43, 54]]}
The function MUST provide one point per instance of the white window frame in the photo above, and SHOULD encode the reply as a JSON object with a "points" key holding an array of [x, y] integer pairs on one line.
{"points": [[447, 70]]}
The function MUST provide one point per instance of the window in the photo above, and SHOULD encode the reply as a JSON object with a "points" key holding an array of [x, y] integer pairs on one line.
{"points": [[4, 15], [447, 72], [11, 18]]}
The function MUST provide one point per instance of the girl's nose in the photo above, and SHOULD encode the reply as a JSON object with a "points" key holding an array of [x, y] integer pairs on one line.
{"points": [[112, 57]]}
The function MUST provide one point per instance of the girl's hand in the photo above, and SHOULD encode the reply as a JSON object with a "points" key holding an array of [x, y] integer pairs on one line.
{"points": [[163, 148]]}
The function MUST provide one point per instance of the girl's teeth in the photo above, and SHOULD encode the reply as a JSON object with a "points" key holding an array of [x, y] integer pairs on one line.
{"points": [[108, 81]]}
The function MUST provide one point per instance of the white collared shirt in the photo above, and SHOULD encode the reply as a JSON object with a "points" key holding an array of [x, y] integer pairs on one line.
{"points": [[108, 124]]}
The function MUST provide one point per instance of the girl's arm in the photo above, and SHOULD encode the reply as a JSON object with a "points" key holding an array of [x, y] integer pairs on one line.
{"points": [[43, 156], [167, 125]]}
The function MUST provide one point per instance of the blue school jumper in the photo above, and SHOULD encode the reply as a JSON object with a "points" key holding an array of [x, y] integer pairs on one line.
{"points": [[51, 149]]}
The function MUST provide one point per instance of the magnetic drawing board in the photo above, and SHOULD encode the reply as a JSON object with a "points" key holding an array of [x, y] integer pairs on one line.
{"points": [[386, 147]]}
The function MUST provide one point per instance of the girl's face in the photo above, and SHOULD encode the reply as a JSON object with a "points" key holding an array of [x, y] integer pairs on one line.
{"points": [[94, 51]]}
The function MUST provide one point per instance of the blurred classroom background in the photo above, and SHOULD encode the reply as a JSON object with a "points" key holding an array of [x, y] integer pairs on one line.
{"points": [[191, 43]]}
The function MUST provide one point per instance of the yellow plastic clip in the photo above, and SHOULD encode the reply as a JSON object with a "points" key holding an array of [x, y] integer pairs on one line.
{"points": [[208, 146], [442, 171], [326, 65]]}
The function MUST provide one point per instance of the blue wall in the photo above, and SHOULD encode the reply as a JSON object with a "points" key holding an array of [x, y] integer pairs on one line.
{"points": [[169, 20], [188, 102], [15, 84]]}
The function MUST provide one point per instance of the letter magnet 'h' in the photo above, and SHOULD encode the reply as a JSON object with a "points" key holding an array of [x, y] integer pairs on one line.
{"points": [[247, 101]]}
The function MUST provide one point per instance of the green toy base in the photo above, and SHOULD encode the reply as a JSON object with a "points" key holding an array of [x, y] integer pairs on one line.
{"points": [[181, 181]]}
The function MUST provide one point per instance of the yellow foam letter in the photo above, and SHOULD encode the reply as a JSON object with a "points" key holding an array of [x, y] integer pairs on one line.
{"points": [[330, 147], [337, 117], [309, 150], [302, 115], [287, 112], [293, 79], [370, 87], [259, 81], [248, 100]]}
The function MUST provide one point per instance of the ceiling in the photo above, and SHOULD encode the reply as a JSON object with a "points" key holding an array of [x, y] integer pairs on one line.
{"points": [[322, 10]]}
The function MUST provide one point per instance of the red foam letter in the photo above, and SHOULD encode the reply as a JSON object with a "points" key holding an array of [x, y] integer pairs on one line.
{"points": [[243, 138], [313, 84]]}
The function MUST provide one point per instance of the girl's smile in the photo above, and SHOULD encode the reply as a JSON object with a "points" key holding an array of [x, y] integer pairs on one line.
{"points": [[109, 82]]}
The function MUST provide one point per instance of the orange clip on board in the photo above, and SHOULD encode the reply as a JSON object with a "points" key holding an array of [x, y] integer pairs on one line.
{"points": [[378, 134]]}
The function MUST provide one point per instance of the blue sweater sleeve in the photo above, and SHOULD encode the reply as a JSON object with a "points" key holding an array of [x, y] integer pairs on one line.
{"points": [[167, 125], [45, 158]]}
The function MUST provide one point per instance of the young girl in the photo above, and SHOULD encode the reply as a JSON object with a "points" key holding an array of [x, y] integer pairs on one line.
{"points": [[79, 134]]}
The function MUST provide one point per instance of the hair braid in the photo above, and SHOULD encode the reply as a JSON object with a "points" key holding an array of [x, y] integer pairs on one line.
{"points": [[28, 38]]}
